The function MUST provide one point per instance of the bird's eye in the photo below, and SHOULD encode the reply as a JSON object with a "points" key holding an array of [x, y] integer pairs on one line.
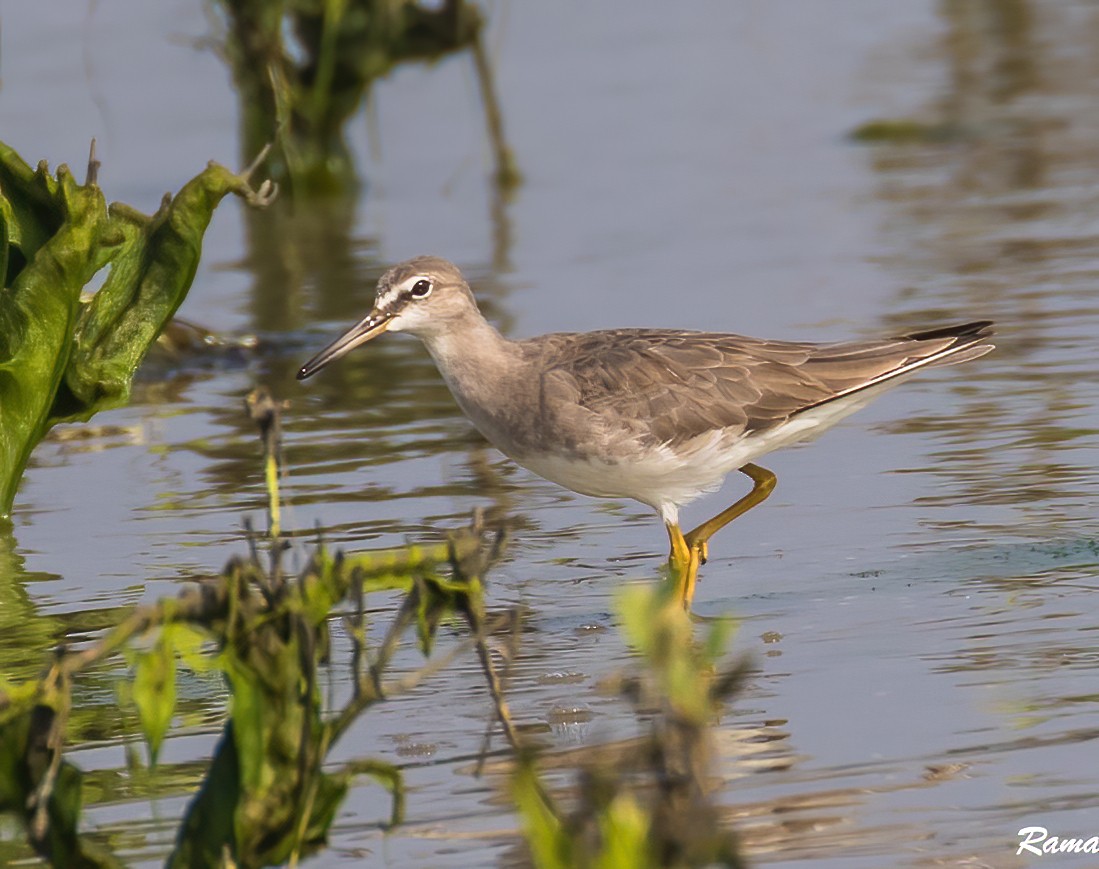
{"points": [[421, 289]]}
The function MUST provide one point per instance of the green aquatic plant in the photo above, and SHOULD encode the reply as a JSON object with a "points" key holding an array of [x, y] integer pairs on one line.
{"points": [[269, 794], [646, 802], [65, 355]]}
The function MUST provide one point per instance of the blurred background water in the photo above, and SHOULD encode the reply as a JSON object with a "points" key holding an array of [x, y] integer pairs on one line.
{"points": [[915, 593]]}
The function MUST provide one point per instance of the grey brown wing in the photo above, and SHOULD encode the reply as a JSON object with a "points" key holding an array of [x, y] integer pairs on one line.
{"points": [[669, 387], [666, 388]]}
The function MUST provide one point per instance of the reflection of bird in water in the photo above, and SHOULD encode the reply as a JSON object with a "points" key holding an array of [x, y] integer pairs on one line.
{"points": [[657, 415]]}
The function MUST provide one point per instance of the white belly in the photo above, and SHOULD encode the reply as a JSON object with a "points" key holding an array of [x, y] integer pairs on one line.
{"points": [[667, 479]]}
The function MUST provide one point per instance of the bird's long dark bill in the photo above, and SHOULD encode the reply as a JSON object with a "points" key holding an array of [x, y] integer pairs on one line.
{"points": [[370, 327]]}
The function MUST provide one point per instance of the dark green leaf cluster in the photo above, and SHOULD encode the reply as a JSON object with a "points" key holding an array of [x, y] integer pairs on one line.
{"points": [[267, 797], [65, 354]]}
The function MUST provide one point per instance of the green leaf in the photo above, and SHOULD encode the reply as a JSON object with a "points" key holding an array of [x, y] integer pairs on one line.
{"points": [[188, 642], [153, 262], [549, 844], [330, 792], [660, 629], [29, 198], [624, 829], [63, 358], [38, 314], [207, 826], [248, 715], [154, 691]]}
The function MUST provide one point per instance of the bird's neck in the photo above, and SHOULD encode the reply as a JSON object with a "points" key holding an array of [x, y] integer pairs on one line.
{"points": [[472, 350], [483, 370]]}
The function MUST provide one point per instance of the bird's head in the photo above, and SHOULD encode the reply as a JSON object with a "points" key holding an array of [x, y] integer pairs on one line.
{"points": [[425, 296]]}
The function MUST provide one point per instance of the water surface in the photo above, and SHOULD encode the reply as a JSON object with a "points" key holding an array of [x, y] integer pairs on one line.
{"points": [[915, 593]]}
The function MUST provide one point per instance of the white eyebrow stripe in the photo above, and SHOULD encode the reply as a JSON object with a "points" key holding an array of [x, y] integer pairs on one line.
{"points": [[385, 300], [389, 296]]}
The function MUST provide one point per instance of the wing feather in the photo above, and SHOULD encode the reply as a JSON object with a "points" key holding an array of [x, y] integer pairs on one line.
{"points": [[668, 387]]}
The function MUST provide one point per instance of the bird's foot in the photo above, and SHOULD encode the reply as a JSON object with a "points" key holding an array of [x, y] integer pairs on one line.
{"points": [[699, 549]]}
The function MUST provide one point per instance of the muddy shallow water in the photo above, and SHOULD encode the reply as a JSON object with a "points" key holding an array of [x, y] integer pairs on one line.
{"points": [[916, 592]]}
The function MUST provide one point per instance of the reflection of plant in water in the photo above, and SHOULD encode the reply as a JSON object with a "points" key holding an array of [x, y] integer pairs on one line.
{"points": [[648, 804], [266, 797], [64, 357], [21, 628], [302, 69]]}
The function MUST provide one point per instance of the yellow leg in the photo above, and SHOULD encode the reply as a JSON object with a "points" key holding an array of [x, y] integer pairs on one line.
{"points": [[691, 549], [683, 563]]}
